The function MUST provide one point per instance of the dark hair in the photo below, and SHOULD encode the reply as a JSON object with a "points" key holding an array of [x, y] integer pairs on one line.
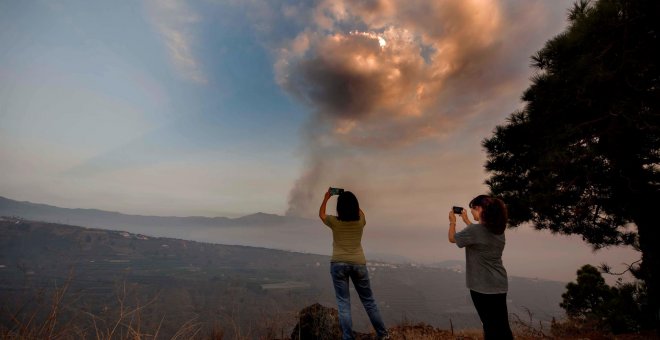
{"points": [[348, 208], [494, 214]]}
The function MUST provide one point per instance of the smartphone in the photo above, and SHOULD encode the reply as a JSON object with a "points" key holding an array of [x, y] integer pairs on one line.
{"points": [[457, 210], [335, 191]]}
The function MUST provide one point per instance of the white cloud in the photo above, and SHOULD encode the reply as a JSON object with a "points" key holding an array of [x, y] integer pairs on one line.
{"points": [[173, 20]]}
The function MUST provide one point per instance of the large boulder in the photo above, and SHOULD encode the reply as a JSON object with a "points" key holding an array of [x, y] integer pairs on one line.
{"points": [[317, 322]]}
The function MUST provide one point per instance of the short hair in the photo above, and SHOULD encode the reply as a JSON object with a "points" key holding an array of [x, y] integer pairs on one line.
{"points": [[348, 208], [494, 214]]}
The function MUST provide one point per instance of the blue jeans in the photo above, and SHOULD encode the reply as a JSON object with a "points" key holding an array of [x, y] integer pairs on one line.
{"points": [[358, 273]]}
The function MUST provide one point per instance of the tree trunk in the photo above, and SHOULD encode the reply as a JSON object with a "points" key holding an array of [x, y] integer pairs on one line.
{"points": [[649, 241]]}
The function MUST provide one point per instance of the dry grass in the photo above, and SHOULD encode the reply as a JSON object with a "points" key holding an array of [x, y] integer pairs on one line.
{"points": [[44, 321], [575, 329], [423, 331]]}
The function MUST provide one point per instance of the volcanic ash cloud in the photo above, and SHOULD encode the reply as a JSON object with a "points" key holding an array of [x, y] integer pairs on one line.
{"points": [[383, 74]]}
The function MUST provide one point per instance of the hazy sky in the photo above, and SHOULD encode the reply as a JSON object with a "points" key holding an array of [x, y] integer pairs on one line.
{"points": [[225, 108]]}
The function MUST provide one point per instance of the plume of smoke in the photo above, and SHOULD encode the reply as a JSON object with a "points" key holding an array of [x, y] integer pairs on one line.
{"points": [[384, 74]]}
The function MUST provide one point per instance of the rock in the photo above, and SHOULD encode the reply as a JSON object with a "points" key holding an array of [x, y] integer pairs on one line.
{"points": [[317, 322]]}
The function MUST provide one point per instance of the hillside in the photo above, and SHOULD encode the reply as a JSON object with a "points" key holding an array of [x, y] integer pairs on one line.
{"points": [[260, 229], [240, 288], [105, 219]]}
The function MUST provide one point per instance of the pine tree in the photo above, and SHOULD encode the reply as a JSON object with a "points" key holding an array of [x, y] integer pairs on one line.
{"points": [[588, 297], [583, 155]]}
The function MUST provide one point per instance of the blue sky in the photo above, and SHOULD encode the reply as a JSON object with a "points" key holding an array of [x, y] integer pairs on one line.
{"points": [[228, 107], [98, 84]]}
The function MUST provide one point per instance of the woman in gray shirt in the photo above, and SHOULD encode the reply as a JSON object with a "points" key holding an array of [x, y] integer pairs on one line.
{"points": [[485, 275]]}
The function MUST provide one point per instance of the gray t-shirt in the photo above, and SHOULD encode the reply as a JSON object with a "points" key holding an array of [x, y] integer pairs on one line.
{"points": [[483, 259]]}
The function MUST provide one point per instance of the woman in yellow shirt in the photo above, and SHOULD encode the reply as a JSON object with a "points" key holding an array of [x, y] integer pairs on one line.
{"points": [[348, 261]]}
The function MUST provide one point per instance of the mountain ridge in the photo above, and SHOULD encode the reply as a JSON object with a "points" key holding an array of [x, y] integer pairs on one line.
{"points": [[51, 213], [5, 200]]}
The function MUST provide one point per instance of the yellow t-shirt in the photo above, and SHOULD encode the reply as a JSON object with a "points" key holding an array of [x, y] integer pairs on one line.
{"points": [[346, 239]]}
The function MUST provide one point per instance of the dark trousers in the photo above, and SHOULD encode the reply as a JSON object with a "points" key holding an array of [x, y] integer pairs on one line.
{"points": [[493, 314]]}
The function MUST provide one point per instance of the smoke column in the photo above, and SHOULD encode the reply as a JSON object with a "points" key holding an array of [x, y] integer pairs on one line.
{"points": [[379, 75]]}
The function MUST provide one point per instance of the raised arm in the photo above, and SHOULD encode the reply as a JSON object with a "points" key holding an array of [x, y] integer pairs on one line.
{"points": [[464, 216], [452, 227], [322, 208]]}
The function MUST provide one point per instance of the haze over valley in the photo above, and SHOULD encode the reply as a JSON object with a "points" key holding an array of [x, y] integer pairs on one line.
{"points": [[242, 289], [529, 253]]}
